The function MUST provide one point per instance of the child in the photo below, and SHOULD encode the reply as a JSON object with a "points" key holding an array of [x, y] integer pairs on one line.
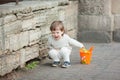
{"points": [[59, 44]]}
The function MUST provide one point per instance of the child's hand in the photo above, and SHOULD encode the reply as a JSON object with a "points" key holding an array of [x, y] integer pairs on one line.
{"points": [[83, 49]]}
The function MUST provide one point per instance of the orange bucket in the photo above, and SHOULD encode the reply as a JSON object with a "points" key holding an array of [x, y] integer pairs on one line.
{"points": [[86, 55]]}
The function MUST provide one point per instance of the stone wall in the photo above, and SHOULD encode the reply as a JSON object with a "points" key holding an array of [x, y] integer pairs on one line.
{"points": [[96, 21], [116, 13], [24, 29]]}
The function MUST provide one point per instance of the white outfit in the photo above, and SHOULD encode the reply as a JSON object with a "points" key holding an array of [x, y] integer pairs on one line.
{"points": [[62, 48]]}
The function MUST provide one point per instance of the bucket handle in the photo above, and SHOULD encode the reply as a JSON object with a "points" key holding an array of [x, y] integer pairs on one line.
{"points": [[91, 48]]}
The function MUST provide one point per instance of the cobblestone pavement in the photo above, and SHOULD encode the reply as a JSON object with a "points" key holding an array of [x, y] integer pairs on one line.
{"points": [[105, 65]]}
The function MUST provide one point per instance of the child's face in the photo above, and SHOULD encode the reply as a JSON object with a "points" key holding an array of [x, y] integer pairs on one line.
{"points": [[57, 34]]}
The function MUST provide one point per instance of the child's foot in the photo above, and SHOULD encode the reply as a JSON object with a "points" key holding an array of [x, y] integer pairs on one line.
{"points": [[56, 63], [66, 64]]}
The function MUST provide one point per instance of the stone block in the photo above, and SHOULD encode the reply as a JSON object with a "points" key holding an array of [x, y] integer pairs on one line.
{"points": [[43, 42], [22, 57], [8, 63], [3, 65], [1, 21], [22, 16], [43, 53], [1, 52], [52, 15], [7, 43], [13, 27], [9, 18], [38, 5], [116, 21], [17, 41], [34, 36], [116, 35], [72, 33], [28, 24], [95, 23], [61, 14], [12, 61], [95, 36], [29, 53], [71, 19], [115, 6], [40, 18], [23, 39], [95, 7], [14, 42], [45, 30]]}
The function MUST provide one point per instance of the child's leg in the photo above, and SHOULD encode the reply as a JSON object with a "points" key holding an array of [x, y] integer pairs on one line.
{"points": [[65, 53], [54, 55]]}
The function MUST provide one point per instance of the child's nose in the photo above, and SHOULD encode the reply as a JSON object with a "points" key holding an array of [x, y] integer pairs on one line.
{"points": [[55, 34]]}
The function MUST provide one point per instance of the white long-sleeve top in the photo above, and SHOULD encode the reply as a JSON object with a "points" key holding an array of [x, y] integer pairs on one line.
{"points": [[64, 41]]}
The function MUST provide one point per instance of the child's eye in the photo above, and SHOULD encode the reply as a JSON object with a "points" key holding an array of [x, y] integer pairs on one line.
{"points": [[53, 32]]}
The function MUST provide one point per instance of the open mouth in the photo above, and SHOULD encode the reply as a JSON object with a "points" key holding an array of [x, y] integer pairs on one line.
{"points": [[56, 37]]}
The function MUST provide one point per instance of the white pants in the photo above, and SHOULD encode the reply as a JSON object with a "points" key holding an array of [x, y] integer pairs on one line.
{"points": [[64, 53]]}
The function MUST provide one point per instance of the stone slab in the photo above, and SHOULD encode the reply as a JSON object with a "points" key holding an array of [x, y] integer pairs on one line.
{"points": [[95, 36], [115, 4], [95, 7], [116, 35], [116, 21], [95, 23]]}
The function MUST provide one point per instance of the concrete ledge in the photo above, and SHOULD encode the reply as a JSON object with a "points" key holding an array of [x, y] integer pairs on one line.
{"points": [[28, 6], [116, 35], [95, 36]]}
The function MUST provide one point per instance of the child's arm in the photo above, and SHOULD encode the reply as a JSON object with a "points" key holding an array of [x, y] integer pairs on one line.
{"points": [[75, 42]]}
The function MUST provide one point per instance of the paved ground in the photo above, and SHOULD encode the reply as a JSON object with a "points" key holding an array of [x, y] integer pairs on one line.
{"points": [[105, 65]]}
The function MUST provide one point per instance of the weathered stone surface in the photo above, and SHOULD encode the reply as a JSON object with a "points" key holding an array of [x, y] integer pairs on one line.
{"points": [[23, 39], [14, 42], [7, 43], [9, 18], [1, 21], [72, 33], [95, 36], [95, 22], [27, 6], [43, 42], [71, 20], [8, 63], [115, 5], [28, 24], [13, 27], [40, 18], [29, 53], [99, 23], [1, 51], [0, 39], [116, 35], [25, 16], [95, 7], [52, 15], [26, 29], [34, 36], [116, 21]]}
